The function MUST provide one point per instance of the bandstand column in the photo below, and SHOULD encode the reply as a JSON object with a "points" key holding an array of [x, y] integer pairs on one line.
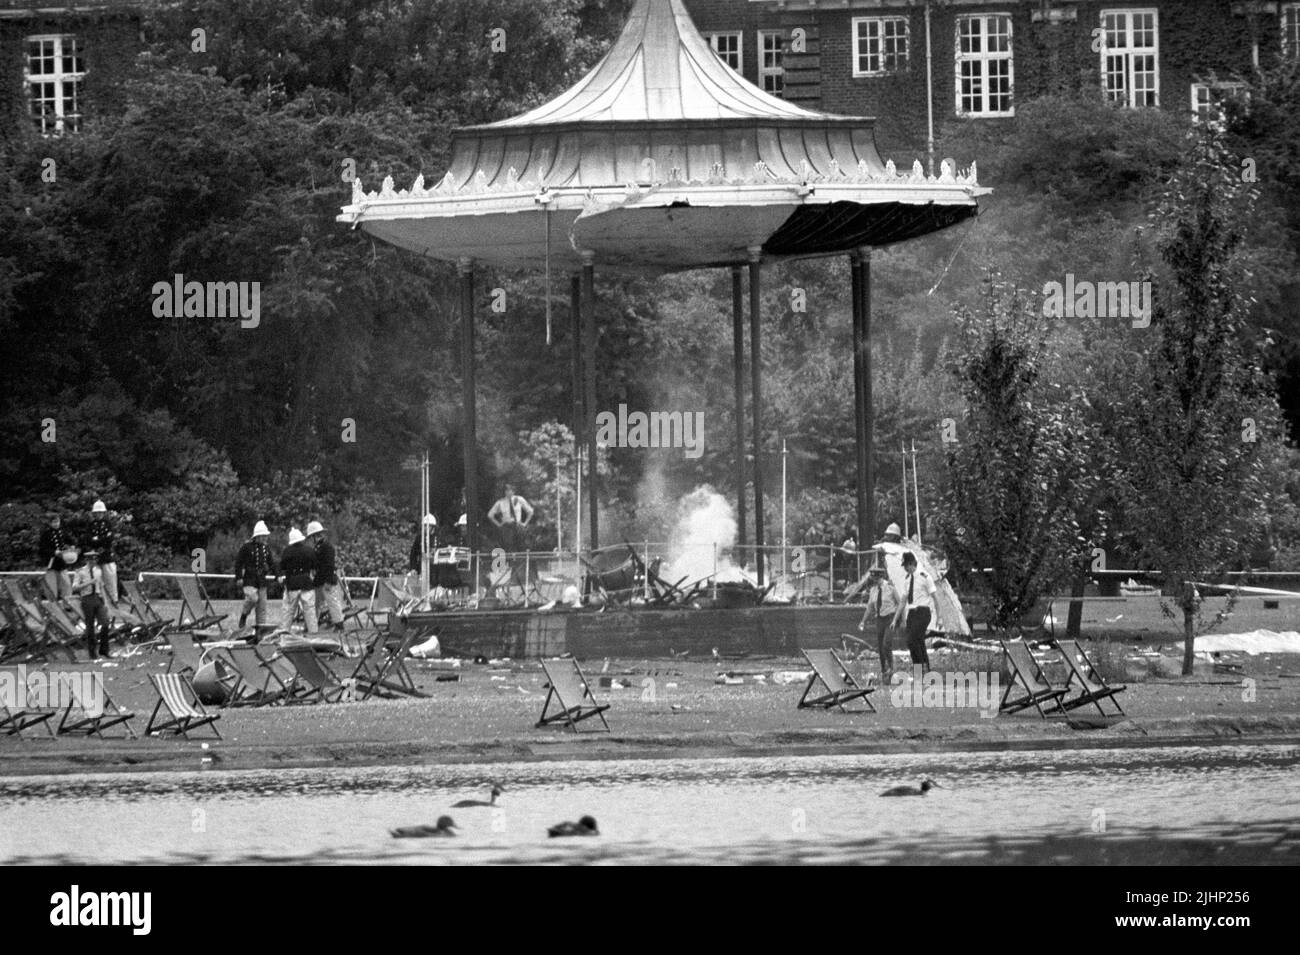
{"points": [[575, 337], [738, 367], [589, 393], [469, 425], [860, 265], [756, 392]]}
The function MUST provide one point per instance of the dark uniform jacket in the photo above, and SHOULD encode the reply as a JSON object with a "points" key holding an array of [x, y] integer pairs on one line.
{"points": [[326, 571], [254, 564], [101, 538], [54, 541], [297, 564]]}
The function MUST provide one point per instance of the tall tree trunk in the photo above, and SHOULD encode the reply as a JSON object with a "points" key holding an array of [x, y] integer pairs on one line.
{"points": [[1075, 618], [1189, 636]]}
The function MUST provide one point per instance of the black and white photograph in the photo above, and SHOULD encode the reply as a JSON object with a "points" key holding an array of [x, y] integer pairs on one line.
{"points": [[490, 433]]}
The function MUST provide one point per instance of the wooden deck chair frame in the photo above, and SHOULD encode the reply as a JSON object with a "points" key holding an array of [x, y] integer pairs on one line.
{"points": [[142, 608], [111, 716], [29, 619], [263, 686], [184, 715], [13, 722], [1036, 695], [196, 605], [1093, 689], [827, 667], [317, 682], [574, 709], [351, 609], [185, 651], [395, 664], [370, 670]]}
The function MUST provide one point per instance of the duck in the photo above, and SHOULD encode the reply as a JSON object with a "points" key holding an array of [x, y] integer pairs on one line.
{"points": [[925, 787], [586, 826], [473, 803], [445, 827]]}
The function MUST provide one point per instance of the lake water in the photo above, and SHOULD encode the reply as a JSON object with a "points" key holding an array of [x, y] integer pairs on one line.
{"points": [[1188, 805]]}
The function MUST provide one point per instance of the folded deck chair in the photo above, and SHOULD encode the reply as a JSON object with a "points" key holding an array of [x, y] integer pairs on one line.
{"points": [[13, 722], [259, 684], [1026, 671], [316, 681], [36, 636], [1092, 688], [78, 719], [383, 671], [141, 607], [840, 686], [134, 626], [175, 694], [196, 609], [572, 694], [20, 716]]}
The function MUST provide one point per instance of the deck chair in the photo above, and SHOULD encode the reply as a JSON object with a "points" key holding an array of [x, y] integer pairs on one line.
{"points": [[259, 684], [36, 636], [140, 606], [841, 688], [572, 694], [134, 626], [1092, 688], [13, 720], [351, 609], [77, 719], [196, 608], [185, 653], [175, 693], [316, 681], [1026, 671], [381, 669]]}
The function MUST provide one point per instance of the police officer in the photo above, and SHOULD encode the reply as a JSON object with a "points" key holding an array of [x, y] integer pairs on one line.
{"points": [[329, 596], [89, 583], [253, 566], [298, 565], [100, 539]]}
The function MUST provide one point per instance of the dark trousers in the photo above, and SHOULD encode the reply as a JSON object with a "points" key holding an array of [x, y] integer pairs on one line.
{"points": [[918, 621], [95, 611], [884, 646]]}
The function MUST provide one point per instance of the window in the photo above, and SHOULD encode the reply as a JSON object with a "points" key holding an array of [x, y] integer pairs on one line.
{"points": [[727, 46], [53, 75], [984, 65], [1208, 98], [771, 75], [879, 45], [1130, 57], [1290, 21]]}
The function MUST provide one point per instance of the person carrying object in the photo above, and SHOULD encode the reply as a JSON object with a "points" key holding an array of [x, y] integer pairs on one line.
{"points": [[55, 548], [100, 539]]}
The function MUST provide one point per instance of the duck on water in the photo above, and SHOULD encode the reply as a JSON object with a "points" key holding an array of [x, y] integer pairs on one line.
{"points": [[586, 826], [921, 790], [444, 828], [472, 803]]}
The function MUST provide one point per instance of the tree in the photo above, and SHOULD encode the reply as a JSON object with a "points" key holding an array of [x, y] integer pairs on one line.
{"points": [[1197, 481], [1020, 461]]}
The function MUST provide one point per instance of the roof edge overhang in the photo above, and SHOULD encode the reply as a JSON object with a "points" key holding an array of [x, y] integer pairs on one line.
{"points": [[639, 125]]}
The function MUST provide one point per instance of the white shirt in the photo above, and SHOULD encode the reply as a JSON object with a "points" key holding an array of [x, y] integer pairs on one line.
{"points": [[922, 590], [511, 510]]}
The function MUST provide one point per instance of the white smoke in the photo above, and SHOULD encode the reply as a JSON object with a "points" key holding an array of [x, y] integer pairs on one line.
{"points": [[703, 538]]}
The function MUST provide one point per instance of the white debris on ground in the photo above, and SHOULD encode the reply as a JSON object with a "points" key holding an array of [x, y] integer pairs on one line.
{"points": [[1252, 643]]}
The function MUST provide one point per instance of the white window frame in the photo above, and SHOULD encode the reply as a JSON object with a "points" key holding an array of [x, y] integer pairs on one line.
{"points": [[776, 73], [985, 60], [1127, 51], [1288, 21], [739, 39], [65, 44], [904, 56], [1199, 111]]}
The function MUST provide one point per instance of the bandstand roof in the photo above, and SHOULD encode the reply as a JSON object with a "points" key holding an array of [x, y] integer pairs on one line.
{"points": [[663, 158]]}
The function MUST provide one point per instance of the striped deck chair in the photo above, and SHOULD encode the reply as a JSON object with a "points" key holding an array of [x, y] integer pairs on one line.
{"points": [[1026, 671], [175, 694], [315, 680], [1092, 688], [572, 694], [77, 718], [841, 688], [196, 608], [259, 683]]}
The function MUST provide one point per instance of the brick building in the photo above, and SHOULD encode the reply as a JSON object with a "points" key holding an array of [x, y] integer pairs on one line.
{"points": [[868, 57]]}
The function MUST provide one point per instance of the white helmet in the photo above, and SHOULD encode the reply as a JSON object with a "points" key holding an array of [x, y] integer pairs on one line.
{"points": [[98, 508], [315, 527], [895, 530], [261, 530], [464, 521], [295, 536], [430, 520]]}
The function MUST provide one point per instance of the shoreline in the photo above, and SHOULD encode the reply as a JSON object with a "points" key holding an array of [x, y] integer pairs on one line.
{"points": [[48, 757]]}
